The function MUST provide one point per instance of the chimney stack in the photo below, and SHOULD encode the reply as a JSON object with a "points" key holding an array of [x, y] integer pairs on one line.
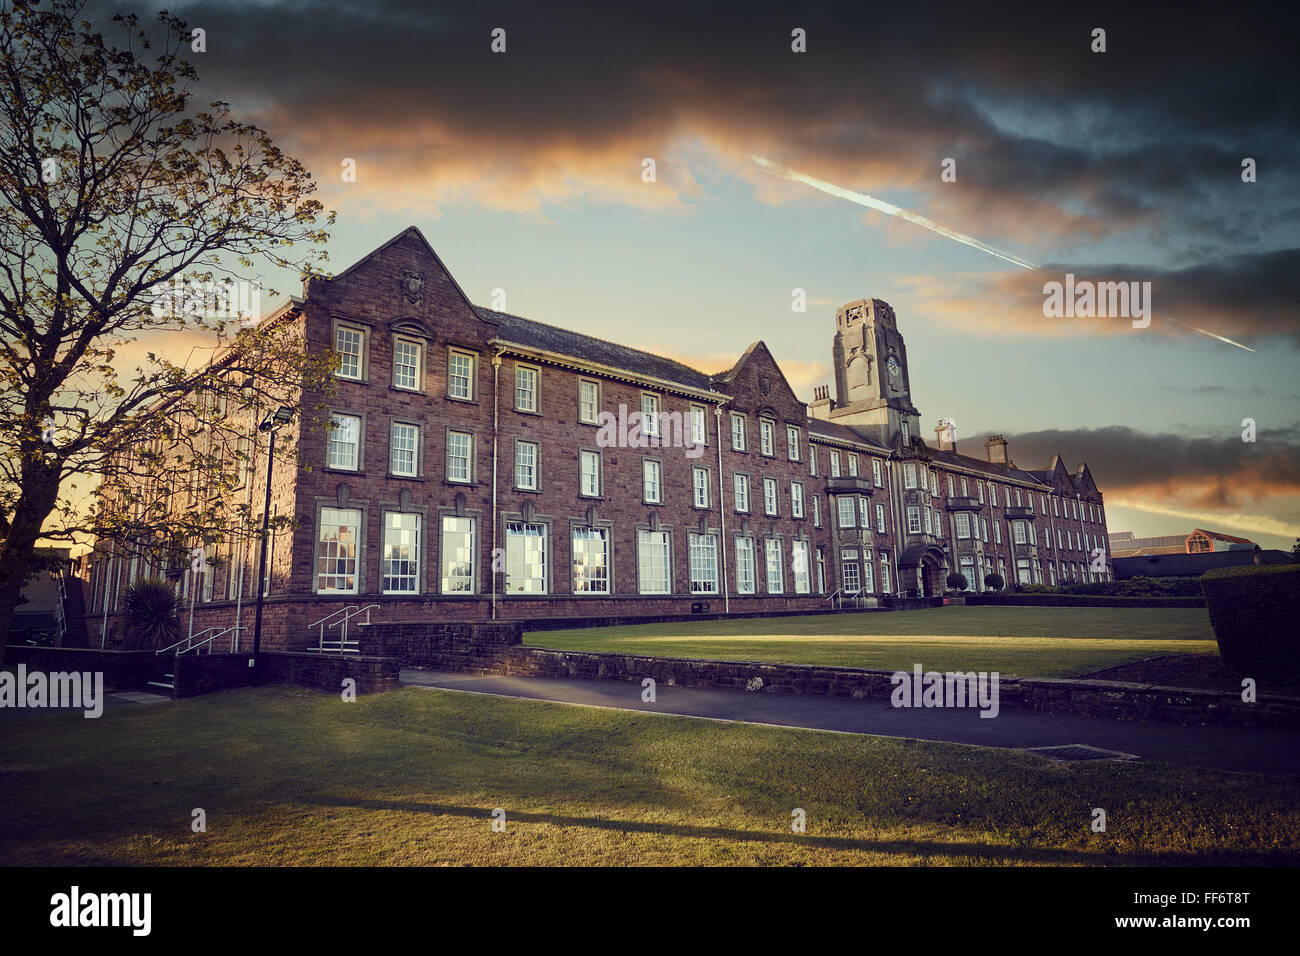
{"points": [[945, 435], [997, 449]]}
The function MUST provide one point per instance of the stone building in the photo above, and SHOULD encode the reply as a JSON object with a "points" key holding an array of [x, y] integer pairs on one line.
{"points": [[485, 465]]}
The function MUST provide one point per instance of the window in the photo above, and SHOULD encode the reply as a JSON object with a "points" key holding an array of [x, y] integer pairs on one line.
{"points": [[345, 443], [817, 511], [526, 465], [336, 551], [853, 465], [649, 414], [590, 561], [965, 489], [884, 573], [525, 558], [880, 519], [767, 437], [698, 432], [927, 523], [963, 524], [875, 472], [700, 486], [799, 566], [968, 571], [1058, 539], [769, 496], [1042, 504], [796, 500], [913, 520], [460, 375], [589, 474], [835, 464], [821, 571], [792, 442], [457, 555], [403, 449], [653, 562], [979, 489], [812, 460], [588, 400], [907, 433], [951, 489], [868, 584], [401, 554], [651, 483], [744, 565], [984, 530], [909, 475], [849, 569], [848, 512], [741, 483], [460, 457], [525, 389], [1018, 532], [349, 342], [703, 563], [1056, 511], [1018, 502], [775, 566], [993, 494], [864, 513], [408, 364], [737, 431]]}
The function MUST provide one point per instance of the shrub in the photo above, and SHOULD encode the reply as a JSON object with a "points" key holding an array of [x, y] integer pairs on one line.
{"points": [[957, 581], [1254, 611], [993, 581], [151, 610]]}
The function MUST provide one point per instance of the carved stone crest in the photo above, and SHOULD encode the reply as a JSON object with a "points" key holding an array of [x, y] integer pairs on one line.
{"points": [[412, 286]]}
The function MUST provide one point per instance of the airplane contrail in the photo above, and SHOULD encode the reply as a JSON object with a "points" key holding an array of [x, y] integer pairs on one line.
{"points": [[871, 202]]}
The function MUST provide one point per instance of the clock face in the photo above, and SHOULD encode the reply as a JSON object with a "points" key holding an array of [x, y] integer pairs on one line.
{"points": [[892, 365]]}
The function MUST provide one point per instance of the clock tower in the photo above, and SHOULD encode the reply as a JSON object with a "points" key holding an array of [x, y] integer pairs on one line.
{"points": [[872, 388]]}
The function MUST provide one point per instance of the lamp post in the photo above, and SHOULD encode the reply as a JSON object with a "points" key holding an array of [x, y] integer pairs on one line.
{"points": [[273, 420]]}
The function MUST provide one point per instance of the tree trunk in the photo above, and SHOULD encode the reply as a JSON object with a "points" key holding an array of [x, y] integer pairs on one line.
{"points": [[40, 491]]}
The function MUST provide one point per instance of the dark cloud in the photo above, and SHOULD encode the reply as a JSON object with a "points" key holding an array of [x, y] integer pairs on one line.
{"points": [[1219, 472], [1055, 144]]}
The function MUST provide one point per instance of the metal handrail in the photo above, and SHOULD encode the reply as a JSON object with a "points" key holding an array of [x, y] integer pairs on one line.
{"points": [[857, 596], [206, 642], [321, 622], [348, 614]]}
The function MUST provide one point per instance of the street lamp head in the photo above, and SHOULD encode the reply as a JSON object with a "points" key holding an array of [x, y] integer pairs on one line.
{"points": [[281, 416]]}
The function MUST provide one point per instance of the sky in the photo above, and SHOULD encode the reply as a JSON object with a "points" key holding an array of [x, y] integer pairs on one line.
{"points": [[524, 169]]}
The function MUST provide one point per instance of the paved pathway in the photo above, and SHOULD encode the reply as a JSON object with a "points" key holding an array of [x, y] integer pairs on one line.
{"points": [[112, 701], [1224, 748]]}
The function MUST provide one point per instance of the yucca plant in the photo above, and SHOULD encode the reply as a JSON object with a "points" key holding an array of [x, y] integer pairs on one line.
{"points": [[152, 615]]}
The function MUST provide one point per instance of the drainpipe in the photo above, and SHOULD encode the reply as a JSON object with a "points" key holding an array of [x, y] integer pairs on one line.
{"points": [[496, 379], [108, 580], [722, 512], [895, 509]]}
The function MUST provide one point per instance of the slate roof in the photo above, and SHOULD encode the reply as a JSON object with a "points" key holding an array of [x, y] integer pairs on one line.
{"points": [[587, 348], [825, 429], [984, 466]]}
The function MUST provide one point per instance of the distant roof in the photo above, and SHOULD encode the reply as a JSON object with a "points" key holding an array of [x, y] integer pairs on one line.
{"points": [[1220, 536], [1191, 565], [520, 331]]}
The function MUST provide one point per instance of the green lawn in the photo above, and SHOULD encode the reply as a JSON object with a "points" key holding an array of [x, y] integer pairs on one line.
{"points": [[1020, 641], [289, 776]]}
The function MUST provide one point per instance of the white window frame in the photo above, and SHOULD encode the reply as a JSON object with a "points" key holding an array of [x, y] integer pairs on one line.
{"points": [[417, 377], [528, 383], [652, 480], [471, 375], [451, 474]]}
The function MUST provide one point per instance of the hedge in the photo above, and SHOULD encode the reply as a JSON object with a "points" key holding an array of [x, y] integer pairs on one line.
{"points": [[1081, 600], [1254, 612]]}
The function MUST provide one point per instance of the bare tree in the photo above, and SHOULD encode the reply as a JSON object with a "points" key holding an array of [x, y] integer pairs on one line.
{"points": [[112, 186]]}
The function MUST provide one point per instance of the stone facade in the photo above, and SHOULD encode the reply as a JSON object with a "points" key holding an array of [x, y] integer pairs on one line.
{"points": [[490, 467]]}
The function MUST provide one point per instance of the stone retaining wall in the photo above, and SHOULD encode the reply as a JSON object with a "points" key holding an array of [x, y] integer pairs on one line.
{"points": [[1089, 698]]}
